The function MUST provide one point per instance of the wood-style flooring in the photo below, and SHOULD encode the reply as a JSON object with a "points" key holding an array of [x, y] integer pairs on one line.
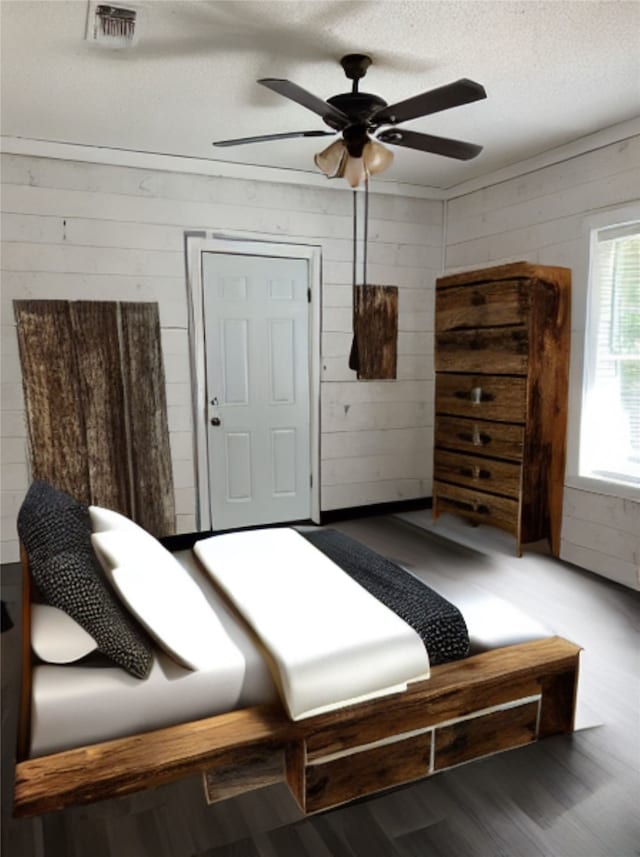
{"points": [[568, 796]]}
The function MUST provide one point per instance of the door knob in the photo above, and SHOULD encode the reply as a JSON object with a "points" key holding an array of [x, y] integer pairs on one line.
{"points": [[215, 421]]}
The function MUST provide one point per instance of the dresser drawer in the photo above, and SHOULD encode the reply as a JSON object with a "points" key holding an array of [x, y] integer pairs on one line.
{"points": [[478, 506], [496, 439], [486, 474], [483, 305], [488, 397], [503, 350]]}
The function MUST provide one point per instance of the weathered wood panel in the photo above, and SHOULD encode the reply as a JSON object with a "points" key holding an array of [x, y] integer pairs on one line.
{"points": [[146, 761], [143, 373], [263, 767], [53, 396], [490, 733], [557, 711], [459, 702], [87, 436], [95, 329], [229, 740], [375, 332], [332, 783]]}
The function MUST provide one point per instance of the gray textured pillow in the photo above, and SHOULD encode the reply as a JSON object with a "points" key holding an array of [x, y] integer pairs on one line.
{"points": [[55, 530]]}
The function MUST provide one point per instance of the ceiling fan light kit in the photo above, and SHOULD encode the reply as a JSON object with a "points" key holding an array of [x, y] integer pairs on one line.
{"points": [[337, 162], [332, 160], [377, 158], [358, 115]]}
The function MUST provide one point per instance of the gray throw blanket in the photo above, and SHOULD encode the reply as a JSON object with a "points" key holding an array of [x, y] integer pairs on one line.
{"points": [[439, 623]]}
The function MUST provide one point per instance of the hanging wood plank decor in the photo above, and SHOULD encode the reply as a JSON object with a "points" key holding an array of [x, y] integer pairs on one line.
{"points": [[376, 331], [52, 395], [145, 392], [97, 425]]}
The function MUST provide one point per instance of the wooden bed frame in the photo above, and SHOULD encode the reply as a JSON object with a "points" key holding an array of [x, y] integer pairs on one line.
{"points": [[494, 701]]}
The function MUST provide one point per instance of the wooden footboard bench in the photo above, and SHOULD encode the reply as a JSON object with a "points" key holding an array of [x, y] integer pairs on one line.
{"points": [[494, 701]]}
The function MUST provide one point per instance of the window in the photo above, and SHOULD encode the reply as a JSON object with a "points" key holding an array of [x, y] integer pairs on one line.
{"points": [[610, 436]]}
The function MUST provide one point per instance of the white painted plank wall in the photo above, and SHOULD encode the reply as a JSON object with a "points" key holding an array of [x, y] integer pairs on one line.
{"points": [[74, 230], [544, 216]]}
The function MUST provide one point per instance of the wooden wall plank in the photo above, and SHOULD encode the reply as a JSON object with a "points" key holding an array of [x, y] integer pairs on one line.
{"points": [[366, 468], [153, 495], [152, 183], [366, 493], [25, 256], [95, 330], [53, 398], [353, 444], [25, 199], [520, 212]]}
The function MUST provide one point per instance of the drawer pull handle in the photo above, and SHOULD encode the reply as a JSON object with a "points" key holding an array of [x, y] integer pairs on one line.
{"points": [[473, 506], [478, 299], [478, 438], [475, 472], [475, 395]]}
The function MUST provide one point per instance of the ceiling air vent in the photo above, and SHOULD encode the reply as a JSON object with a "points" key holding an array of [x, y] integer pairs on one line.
{"points": [[112, 26]]}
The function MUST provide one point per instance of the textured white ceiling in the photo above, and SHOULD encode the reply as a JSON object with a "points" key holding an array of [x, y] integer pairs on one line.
{"points": [[553, 71]]}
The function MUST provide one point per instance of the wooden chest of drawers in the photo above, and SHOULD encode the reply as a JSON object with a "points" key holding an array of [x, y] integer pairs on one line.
{"points": [[502, 362]]}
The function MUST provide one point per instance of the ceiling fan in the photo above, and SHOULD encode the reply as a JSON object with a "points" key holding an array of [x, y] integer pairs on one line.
{"points": [[358, 115]]}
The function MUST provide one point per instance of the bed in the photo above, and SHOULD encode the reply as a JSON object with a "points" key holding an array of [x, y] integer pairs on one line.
{"points": [[514, 687]]}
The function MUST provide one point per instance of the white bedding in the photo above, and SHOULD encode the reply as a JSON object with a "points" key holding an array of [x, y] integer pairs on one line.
{"points": [[75, 705], [332, 643]]}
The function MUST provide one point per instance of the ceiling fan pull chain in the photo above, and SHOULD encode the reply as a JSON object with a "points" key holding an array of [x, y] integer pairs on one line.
{"points": [[366, 229], [355, 250], [354, 361]]}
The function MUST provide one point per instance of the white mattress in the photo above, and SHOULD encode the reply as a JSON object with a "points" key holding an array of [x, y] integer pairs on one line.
{"points": [[75, 705]]}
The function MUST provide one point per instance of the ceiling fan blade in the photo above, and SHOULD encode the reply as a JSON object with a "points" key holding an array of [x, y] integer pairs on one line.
{"points": [[454, 94], [266, 137], [428, 143], [331, 115]]}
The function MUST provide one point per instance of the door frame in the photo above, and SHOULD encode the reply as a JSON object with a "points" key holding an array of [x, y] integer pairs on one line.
{"points": [[247, 244]]}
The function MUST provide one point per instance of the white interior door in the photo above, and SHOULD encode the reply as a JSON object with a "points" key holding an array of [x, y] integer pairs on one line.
{"points": [[256, 322]]}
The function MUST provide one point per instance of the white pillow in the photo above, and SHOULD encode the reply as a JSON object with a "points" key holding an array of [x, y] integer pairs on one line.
{"points": [[158, 591], [172, 607], [127, 547], [56, 638], [117, 540], [106, 519]]}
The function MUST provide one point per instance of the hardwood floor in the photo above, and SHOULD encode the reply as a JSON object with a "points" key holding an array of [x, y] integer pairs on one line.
{"points": [[569, 796]]}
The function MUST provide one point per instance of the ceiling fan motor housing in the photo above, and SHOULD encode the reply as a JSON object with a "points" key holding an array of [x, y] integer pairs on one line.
{"points": [[358, 106], [355, 65]]}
